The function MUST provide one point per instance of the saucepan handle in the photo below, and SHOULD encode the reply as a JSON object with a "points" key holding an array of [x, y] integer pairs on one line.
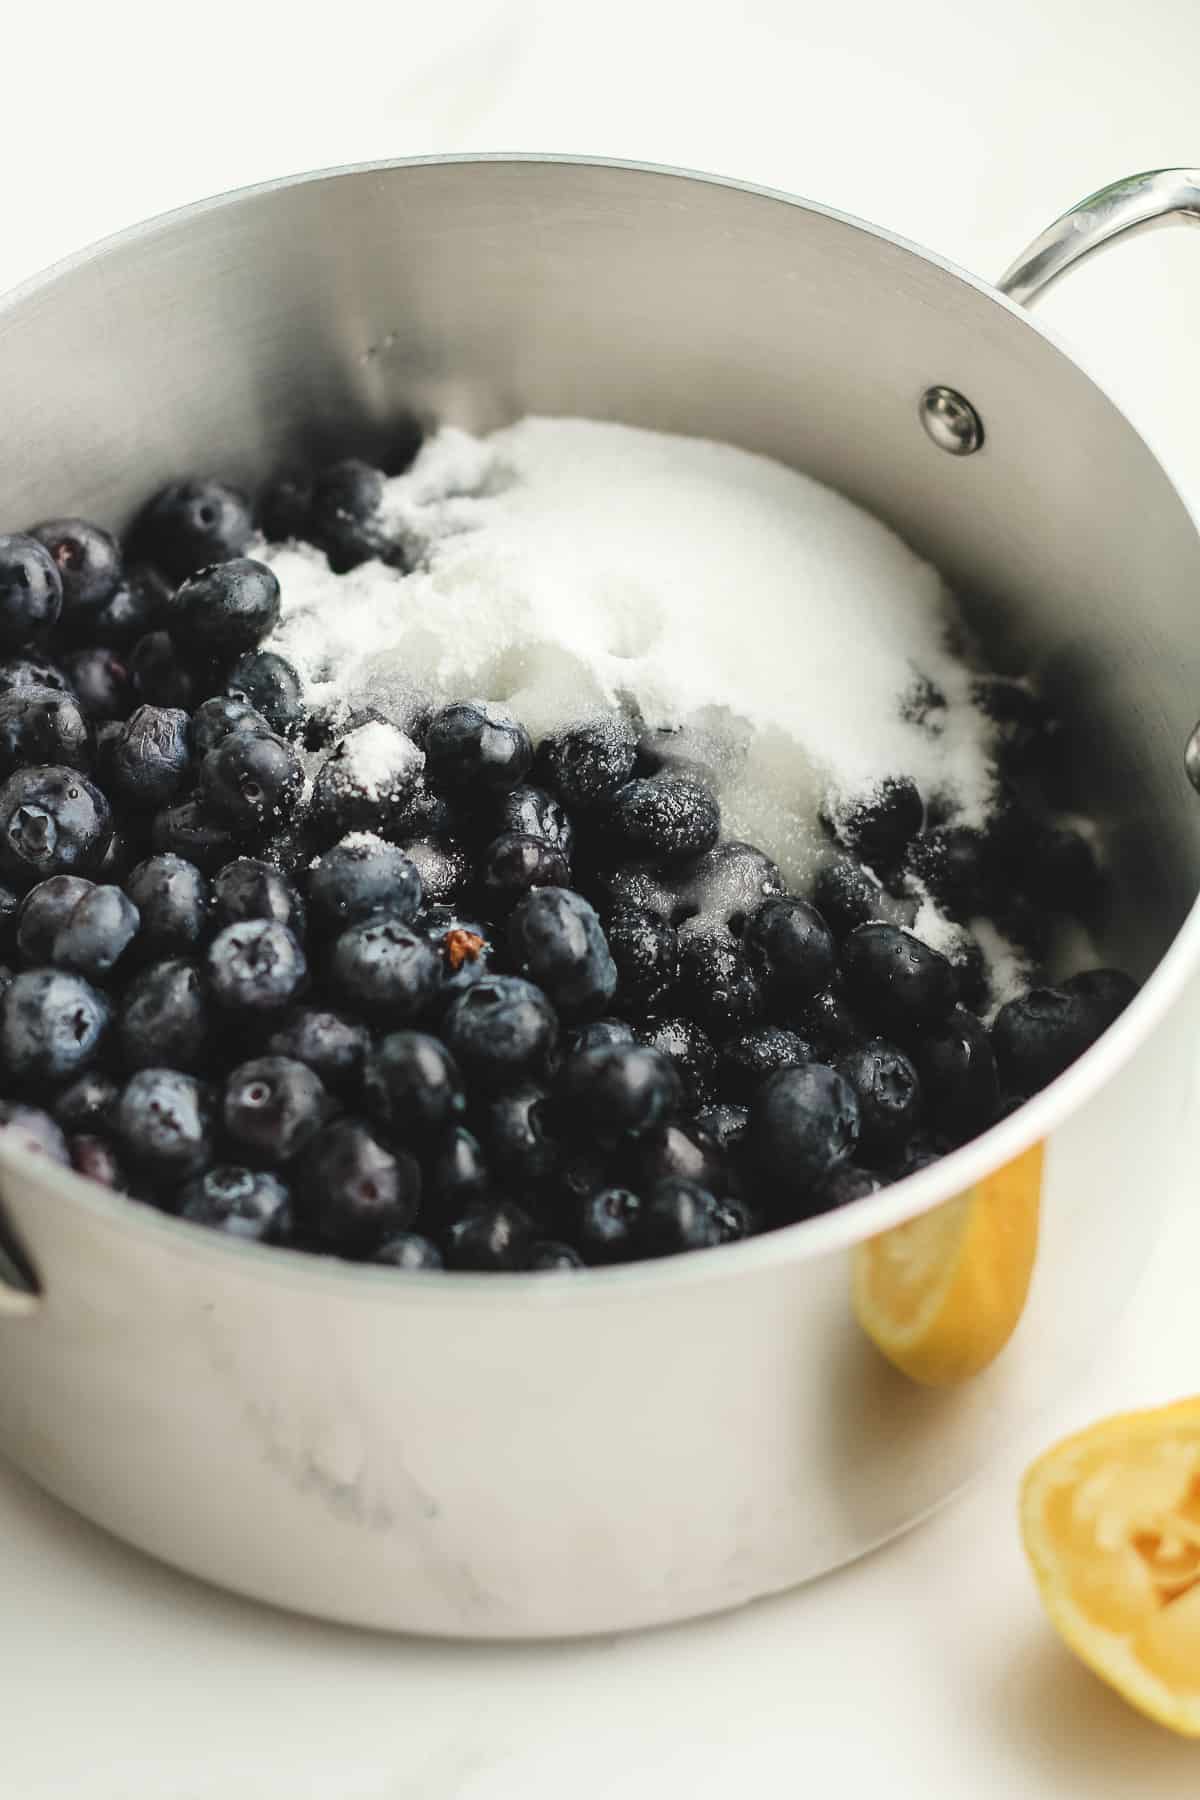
{"points": [[1140, 202]]}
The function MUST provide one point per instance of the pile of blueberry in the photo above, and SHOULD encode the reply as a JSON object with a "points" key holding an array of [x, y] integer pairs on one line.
{"points": [[419, 992]]}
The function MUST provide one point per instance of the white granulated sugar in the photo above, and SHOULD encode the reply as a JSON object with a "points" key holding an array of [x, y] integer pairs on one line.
{"points": [[373, 760], [1010, 970]]}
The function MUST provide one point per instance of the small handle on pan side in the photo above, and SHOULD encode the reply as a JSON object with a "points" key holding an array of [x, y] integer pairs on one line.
{"points": [[1140, 202]]}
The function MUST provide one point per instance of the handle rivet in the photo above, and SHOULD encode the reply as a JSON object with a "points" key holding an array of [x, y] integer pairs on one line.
{"points": [[950, 421], [1191, 759]]}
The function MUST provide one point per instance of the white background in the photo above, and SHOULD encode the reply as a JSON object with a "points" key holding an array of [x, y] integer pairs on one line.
{"points": [[927, 1669]]}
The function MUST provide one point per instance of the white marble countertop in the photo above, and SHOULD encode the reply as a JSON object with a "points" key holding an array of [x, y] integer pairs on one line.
{"points": [[926, 1670]]}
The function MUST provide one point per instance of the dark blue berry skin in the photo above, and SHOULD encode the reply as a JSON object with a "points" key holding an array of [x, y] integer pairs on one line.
{"points": [[189, 833], [96, 1158], [586, 764], [351, 1194], [164, 1123], [663, 818], [745, 1062], [598, 1033], [347, 800], [131, 612], [252, 783], [717, 985], [88, 560], [1026, 727], [32, 670], [150, 761], [609, 887], [34, 1130], [10, 906], [463, 949], [88, 1105], [645, 950], [791, 948], [500, 1030], [512, 864], [53, 1026], [216, 718], [273, 1108], [334, 1048], [165, 1020], [159, 674], [96, 934], [958, 1075], [475, 749], [174, 901], [681, 1215], [191, 523], [495, 1238], [53, 821], [954, 864], [44, 911], [879, 826], [607, 1226], [362, 876], [619, 1091], [803, 1124], [40, 725], [101, 682], [458, 1174], [549, 1256], [268, 682], [889, 1096], [1063, 875], [515, 1129], [255, 967], [409, 1250], [239, 1202], [344, 516], [534, 812], [285, 507], [690, 1052], [728, 884], [251, 889], [829, 1020], [726, 1124], [384, 969], [224, 610], [443, 866], [896, 981], [841, 1188], [557, 941], [848, 895], [30, 590], [682, 1151], [1105, 992], [1040, 1034], [412, 1086]]}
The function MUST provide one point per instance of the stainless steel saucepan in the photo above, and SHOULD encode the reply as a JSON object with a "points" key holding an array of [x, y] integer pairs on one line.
{"points": [[517, 1456]]}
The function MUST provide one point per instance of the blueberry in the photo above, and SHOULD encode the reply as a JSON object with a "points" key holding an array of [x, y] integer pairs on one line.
{"points": [[131, 612], [191, 523], [582, 1171], [1106, 993], [97, 932], [513, 864], [164, 1020], [475, 748], [352, 1193], [607, 1226], [251, 889], [840, 1188], [717, 985], [898, 982], [34, 1131], [101, 682], [53, 821], [241, 1203], [645, 949], [273, 1107], [252, 783], [423, 813], [345, 517], [458, 1173], [384, 969], [725, 1124], [791, 948], [89, 1104], [610, 887], [958, 1075], [463, 951], [150, 760], [268, 682], [745, 1062], [164, 1124], [690, 1053], [215, 718], [31, 593], [443, 866], [518, 1143], [550, 1255], [225, 609], [41, 725], [889, 1095], [412, 1086], [682, 1215], [366, 781], [500, 1030], [729, 883], [534, 812], [159, 673], [257, 966], [409, 1250], [556, 940], [32, 670], [848, 895], [619, 1090], [95, 1158], [44, 911], [88, 560], [585, 764], [600, 1032], [965, 956], [335, 1048], [1025, 726], [953, 863], [1040, 1034], [663, 818], [922, 1151], [681, 1151], [878, 826], [360, 876], [173, 902], [1063, 876], [830, 1021], [803, 1123], [189, 833], [497, 1238], [10, 905], [285, 507]]}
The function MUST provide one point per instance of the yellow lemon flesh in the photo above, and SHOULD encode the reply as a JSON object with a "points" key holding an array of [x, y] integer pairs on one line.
{"points": [[941, 1295], [1111, 1524]]}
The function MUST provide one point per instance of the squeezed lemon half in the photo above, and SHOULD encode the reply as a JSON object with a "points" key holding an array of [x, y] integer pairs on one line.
{"points": [[941, 1295], [1110, 1520]]}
